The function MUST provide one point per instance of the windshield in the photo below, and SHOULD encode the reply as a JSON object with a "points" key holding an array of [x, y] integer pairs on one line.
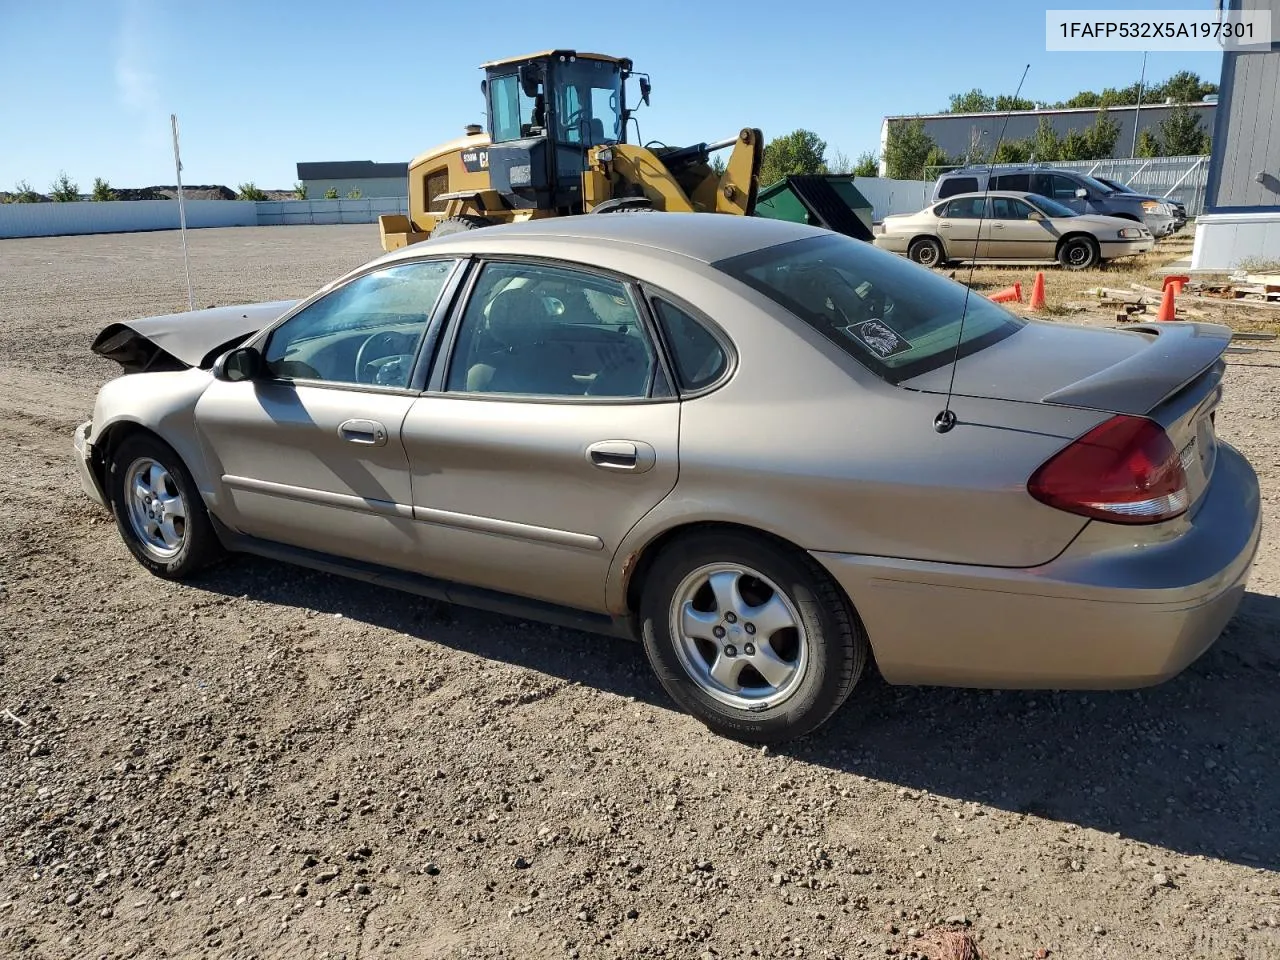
{"points": [[1049, 207], [898, 319], [1117, 186], [588, 102], [1097, 185]]}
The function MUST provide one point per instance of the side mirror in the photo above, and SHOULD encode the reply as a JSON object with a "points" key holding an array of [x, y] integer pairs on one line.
{"points": [[1035, 215], [242, 363], [531, 76], [645, 89], [1082, 193]]}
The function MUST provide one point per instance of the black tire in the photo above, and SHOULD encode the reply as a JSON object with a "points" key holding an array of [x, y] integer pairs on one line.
{"points": [[927, 251], [835, 644], [460, 224], [198, 545], [1079, 253]]}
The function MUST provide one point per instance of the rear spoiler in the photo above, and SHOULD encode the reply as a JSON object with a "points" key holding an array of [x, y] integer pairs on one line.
{"points": [[1179, 353]]}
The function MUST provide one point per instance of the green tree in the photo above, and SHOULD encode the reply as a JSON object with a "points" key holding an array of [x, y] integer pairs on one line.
{"points": [[1102, 136], [718, 165], [798, 152], [908, 150], [972, 101], [1181, 134], [934, 162], [331, 193], [249, 191], [839, 164], [1005, 103], [867, 165], [300, 190], [22, 193], [102, 190], [1183, 87], [354, 193], [1085, 98], [1045, 144], [1012, 151], [1075, 146], [1148, 145], [64, 189]]}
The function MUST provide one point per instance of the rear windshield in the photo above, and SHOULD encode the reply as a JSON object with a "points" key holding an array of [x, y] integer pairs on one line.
{"points": [[898, 319]]}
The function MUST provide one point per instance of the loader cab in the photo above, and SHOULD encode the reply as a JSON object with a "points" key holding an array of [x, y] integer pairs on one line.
{"points": [[545, 112]]}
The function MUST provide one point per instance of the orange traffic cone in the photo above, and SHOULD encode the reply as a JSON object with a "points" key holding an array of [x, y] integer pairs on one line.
{"points": [[1177, 281], [1037, 291], [1017, 288], [1166, 305], [1005, 295]]}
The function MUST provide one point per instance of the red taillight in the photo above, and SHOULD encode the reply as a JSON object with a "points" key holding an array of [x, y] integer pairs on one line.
{"points": [[1124, 470]]}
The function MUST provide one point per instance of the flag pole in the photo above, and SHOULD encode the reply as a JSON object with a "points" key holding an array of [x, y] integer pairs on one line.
{"points": [[182, 212]]}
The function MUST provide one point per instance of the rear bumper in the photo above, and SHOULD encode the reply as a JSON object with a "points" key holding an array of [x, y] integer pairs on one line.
{"points": [[84, 463], [1126, 617]]}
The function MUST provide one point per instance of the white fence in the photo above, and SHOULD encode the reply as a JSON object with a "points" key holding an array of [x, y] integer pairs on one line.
{"points": [[134, 216], [120, 216], [888, 197], [274, 213]]}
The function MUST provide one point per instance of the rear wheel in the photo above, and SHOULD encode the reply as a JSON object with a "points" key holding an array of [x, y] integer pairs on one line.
{"points": [[1078, 253], [460, 224], [751, 638], [159, 512], [926, 251]]}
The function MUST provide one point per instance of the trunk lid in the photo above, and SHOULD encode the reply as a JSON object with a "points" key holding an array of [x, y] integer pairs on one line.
{"points": [[1169, 372]]}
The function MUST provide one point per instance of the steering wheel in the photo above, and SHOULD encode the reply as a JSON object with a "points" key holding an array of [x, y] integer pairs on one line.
{"points": [[574, 120], [375, 368]]}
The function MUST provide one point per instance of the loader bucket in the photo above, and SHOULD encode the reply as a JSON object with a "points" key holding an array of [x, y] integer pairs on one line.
{"points": [[829, 201]]}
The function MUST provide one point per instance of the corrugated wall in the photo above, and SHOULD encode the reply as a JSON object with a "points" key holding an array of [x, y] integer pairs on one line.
{"points": [[1250, 161], [120, 216], [273, 213]]}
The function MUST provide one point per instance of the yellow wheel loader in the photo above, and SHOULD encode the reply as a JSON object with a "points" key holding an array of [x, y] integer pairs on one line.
{"points": [[556, 145]]}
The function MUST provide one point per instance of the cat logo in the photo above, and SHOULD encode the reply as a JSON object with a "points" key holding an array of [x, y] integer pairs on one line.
{"points": [[475, 161]]}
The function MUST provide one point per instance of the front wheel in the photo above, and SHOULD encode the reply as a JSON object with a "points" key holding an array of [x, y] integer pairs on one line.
{"points": [[1079, 253], [753, 639], [158, 510]]}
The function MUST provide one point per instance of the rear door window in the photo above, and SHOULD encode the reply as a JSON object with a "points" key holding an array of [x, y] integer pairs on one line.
{"points": [[698, 357], [896, 319], [966, 208], [953, 185], [1012, 181]]}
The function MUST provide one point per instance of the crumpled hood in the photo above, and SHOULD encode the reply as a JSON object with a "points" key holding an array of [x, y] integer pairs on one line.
{"points": [[181, 340]]}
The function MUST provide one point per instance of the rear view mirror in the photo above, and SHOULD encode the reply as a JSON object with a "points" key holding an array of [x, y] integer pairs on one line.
{"points": [[645, 89], [1081, 192], [531, 75], [242, 363]]}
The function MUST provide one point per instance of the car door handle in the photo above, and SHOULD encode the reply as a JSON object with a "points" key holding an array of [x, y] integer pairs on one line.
{"points": [[622, 456], [944, 226], [997, 226], [368, 433]]}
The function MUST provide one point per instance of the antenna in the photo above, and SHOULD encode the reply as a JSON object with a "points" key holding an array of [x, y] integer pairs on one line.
{"points": [[946, 419]]}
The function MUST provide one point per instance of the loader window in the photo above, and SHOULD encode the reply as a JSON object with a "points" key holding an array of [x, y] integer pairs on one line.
{"points": [[510, 110], [588, 102]]}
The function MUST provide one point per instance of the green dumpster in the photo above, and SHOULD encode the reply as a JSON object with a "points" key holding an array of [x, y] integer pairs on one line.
{"points": [[828, 201]]}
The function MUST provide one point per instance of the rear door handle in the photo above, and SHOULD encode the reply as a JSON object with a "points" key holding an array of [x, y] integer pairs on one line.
{"points": [[628, 456], [944, 226], [367, 433]]}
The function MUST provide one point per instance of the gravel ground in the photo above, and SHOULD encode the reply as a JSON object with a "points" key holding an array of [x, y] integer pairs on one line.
{"points": [[277, 763]]}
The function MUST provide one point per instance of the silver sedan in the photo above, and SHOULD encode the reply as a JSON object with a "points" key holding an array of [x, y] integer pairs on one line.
{"points": [[768, 451]]}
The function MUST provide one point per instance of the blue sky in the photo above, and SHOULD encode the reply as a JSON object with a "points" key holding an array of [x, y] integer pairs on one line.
{"points": [[87, 86]]}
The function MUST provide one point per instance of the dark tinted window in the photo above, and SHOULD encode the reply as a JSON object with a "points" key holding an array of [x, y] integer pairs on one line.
{"points": [[1051, 208], [1012, 181], [1056, 187], [953, 185], [896, 318], [698, 357], [966, 208]]}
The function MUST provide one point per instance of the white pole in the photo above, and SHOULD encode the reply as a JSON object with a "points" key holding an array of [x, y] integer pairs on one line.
{"points": [[182, 213], [1137, 110]]}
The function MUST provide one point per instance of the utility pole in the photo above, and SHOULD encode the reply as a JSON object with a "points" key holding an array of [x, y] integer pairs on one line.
{"points": [[1137, 110]]}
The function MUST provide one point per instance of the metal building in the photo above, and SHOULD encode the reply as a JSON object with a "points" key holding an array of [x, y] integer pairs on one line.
{"points": [[369, 178], [1242, 219], [976, 134]]}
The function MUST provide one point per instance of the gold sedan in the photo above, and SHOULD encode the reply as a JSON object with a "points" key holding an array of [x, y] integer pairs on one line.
{"points": [[1011, 227]]}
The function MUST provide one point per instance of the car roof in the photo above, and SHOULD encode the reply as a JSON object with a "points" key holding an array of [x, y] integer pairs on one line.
{"points": [[1018, 194], [705, 237]]}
